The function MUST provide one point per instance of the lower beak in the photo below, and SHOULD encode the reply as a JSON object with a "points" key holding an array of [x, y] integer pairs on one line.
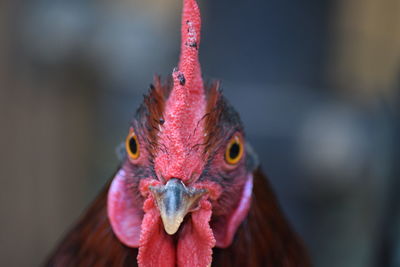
{"points": [[174, 200]]}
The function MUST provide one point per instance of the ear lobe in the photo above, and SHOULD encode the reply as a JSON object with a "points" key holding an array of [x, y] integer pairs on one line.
{"points": [[225, 229], [124, 213]]}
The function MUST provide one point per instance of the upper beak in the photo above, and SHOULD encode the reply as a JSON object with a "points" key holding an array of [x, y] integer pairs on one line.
{"points": [[174, 200]]}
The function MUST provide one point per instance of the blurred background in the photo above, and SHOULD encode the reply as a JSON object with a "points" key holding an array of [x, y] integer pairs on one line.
{"points": [[316, 83]]}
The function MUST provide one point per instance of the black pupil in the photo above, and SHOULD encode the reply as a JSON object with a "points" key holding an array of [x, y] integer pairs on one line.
{"points": [[133, 145], [234, 151]]}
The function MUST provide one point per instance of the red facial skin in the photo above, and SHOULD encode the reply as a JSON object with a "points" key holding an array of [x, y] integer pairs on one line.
{"points": [[181, 152]]}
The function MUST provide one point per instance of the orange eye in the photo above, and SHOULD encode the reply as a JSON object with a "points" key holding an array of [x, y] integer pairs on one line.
{"points": [[234, 150], [132, 145]]}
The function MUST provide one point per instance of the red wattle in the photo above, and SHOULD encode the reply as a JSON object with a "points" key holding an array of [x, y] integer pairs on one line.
{"points": [[156, 247], [196, 239]]}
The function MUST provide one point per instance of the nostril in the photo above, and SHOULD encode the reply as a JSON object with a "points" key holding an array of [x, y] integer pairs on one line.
{"points": [[186, 180], [173, 179]]}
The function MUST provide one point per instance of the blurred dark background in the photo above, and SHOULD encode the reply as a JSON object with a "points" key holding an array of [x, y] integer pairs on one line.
{"points": [[316, 83]]}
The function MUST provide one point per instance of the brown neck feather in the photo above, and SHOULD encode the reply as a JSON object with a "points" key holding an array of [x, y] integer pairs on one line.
{"points": [[92, 242], [265, 238]]}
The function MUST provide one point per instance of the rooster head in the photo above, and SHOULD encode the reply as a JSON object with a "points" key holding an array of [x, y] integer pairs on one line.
{"points": [[185, 184]]}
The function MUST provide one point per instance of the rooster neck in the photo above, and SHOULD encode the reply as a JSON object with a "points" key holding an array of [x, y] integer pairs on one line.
{"points": [[91, 242]]}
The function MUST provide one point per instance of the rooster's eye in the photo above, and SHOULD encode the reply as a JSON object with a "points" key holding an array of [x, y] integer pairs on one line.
{"points": [[234, 150], [132, 145]]}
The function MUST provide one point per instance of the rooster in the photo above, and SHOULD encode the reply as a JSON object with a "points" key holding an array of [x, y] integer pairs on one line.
{"points": [[189, 191]]}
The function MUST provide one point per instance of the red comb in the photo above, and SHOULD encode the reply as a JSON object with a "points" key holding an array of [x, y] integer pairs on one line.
{"points": [[186, 104]]}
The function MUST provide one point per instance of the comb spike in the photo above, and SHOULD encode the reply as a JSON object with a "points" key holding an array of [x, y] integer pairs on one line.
{"points": [[189, 63]]}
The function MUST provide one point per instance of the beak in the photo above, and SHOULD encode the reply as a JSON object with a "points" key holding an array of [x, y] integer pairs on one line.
{"points": [[174, 200]]}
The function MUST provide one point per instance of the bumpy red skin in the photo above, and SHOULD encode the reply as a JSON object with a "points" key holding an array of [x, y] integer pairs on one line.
{"points": [[184, 128]]}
